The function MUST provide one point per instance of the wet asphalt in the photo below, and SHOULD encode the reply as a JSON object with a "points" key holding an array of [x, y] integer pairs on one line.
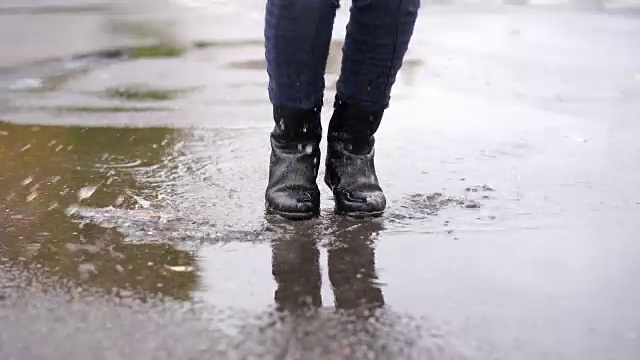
{"points": [[132, 222]]}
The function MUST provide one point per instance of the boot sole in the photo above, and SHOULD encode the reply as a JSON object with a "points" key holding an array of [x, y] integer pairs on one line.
{"points": [[360, 215], [291, 215]]}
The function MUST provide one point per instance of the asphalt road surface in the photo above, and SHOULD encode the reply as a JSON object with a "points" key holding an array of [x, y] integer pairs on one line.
{"points": [[132, 182]]}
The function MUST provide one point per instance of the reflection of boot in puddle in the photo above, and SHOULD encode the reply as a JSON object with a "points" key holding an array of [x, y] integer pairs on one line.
{"points": [[296, 269], [352, 267]]}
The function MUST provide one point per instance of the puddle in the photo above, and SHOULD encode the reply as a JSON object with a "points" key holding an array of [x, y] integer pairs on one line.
{"points": [[144, 93], [156, 51], [424, 206], [123, 208], [55, 9], [101, 109], [222, 44], [47, 170], [109, 81]]}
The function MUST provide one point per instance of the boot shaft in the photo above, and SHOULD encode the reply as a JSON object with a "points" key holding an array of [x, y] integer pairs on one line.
{"points": [[354, 124], [292, 191], [350, 169], [296, 125]]}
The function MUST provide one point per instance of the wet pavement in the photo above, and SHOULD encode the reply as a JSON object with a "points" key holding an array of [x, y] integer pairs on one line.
{"points": [[132, 178]]}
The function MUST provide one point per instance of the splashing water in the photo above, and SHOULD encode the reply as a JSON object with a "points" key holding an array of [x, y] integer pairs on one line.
{"points": [[308, 149], [119, 200], [27, 181], [86, 192], [71, 210], [32, 196]]}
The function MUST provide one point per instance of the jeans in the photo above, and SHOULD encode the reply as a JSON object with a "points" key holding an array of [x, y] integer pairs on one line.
{"points": [[297, 38]]}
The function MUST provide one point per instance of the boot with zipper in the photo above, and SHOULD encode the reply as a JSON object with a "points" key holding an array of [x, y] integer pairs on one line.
{"points": [[292, 192], [350, 169]]}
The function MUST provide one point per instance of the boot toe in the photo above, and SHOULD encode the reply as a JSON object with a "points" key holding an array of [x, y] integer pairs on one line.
{"points": [[360, 203], [298, 206]]}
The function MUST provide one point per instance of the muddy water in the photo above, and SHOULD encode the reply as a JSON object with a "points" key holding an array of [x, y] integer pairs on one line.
{"points": [[136, 214], [132, 223]]}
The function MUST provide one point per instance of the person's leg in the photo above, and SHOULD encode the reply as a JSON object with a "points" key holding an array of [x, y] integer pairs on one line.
{"points": [[297, 36], [378, 36]]}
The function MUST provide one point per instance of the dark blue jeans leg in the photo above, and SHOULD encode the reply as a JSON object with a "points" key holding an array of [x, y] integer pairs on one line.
{"points": [[378, 36], [297, 37]]}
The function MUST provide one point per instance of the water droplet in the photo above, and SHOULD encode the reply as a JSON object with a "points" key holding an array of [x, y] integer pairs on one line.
{"points": [[4, 133], [472, 204], [281, 123], [86, 192], [26, 84], [299, 147], [315, 160], [119, 200], [26, 181], [32, 196], [71, 210], [86, 269], [304, 129], [59, 148], [308, 149], [32, 248], [51, 143], [180, 268], [25, 148], [142, 202]]}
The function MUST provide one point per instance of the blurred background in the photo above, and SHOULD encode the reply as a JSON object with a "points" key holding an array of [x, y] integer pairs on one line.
{"points": [[41, 29]]}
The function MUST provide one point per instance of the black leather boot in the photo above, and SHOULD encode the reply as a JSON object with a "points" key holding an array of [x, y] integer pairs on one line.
{"points": [[350, 172], [292, 191]]}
